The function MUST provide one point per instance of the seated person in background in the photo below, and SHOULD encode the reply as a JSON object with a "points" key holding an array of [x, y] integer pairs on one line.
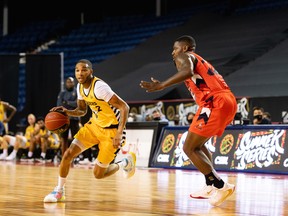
{"points": [[189, 117], [258, 116], [44, 138], [18, 141], [157, 115], [2, 129], [49, 141], [1, 148], [7, 111], [148, 117], [132, 117], [267, 115]]}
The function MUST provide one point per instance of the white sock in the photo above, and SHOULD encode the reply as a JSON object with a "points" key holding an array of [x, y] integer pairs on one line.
{"points": [[43, 154], [5, 152], [61, 182], [30, 154]]}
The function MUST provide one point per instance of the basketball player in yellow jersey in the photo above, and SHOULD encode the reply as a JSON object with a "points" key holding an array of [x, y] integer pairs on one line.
{"points": [[106, 128], [7, 111], [18, 141], [45, 138]]}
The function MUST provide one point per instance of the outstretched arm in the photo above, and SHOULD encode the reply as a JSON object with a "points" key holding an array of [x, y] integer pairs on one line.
{"points": [[184, 65]]}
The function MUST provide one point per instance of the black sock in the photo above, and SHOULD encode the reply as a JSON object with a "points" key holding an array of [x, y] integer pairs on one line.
{"points": [[219, 183], [211, 179]]}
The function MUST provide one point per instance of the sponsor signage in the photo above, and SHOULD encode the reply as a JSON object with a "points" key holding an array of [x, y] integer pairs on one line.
{"points": [[240, 148]]}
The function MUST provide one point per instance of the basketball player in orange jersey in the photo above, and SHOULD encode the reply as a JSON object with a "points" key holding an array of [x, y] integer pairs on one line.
{"points": [[106, 128], [217, 108]]}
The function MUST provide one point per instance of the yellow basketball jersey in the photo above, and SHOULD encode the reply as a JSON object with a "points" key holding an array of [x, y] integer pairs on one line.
{"points": [[54, 140], [2, 112], [28, 132], [104, 114], [43, 131], [3, 116]]}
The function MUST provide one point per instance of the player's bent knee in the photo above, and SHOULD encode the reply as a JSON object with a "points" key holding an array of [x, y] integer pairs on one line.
{"points": [[68, 155], [187, 149]]}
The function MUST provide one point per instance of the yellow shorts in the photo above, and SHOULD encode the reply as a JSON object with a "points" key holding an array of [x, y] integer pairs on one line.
{"points": [[91, 134]]}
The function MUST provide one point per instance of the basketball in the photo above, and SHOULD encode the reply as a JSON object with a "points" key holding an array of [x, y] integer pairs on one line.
{"points": [[57, 122]]}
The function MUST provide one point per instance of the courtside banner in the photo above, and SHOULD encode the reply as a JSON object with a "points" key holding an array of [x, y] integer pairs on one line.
{"points": [[240, 148]]}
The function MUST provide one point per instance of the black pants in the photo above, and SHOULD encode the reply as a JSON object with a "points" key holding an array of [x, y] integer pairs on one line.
{"points": [[74, 127]]}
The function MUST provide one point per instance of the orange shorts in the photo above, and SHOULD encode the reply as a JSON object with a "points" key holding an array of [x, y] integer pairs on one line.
{"points": [[212, 118]]}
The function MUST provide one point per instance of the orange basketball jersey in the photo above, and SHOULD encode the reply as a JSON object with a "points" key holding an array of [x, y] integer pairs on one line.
{"points": [[217, 104]]}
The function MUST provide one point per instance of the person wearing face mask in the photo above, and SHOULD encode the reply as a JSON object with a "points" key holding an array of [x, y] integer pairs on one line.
{"points": [[258, 117], [158, 116]]}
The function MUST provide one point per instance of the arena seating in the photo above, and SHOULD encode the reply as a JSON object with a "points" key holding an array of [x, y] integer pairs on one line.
{"points": [[235, 39]]}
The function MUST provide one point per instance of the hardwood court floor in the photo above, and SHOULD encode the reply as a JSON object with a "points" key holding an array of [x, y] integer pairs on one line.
{"points": [[148, 192]]}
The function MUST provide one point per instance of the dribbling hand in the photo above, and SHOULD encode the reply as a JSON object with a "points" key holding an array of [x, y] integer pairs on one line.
{"points": [[59, 109]]}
